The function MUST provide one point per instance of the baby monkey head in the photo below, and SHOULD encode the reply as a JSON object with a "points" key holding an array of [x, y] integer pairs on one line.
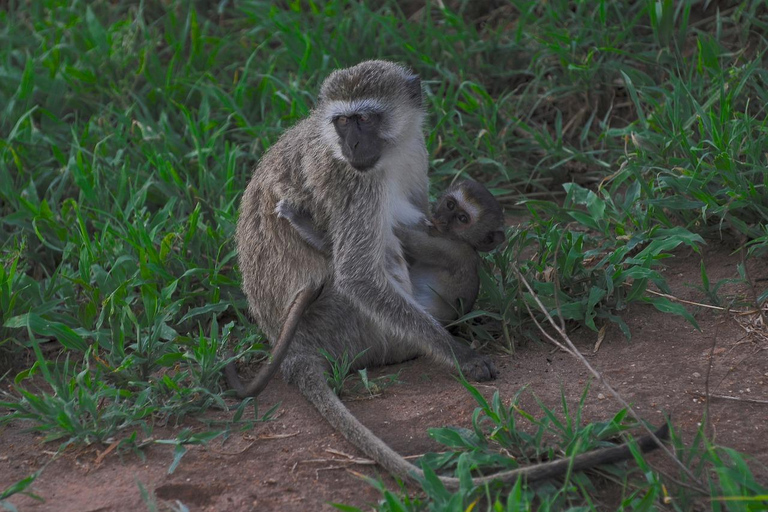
{"points": [[468, 211], [369, 109]]}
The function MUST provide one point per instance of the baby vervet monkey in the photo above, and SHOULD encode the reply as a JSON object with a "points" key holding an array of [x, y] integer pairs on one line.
{"points": [[444, 258], [442, 253]]}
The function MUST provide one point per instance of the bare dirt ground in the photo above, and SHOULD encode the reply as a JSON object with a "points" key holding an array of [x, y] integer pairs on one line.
{"points": [[286, 464]]}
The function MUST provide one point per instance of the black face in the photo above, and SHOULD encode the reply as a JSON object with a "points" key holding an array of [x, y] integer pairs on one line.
{"points": [[449, 216], [483, 228], [359, 139]]}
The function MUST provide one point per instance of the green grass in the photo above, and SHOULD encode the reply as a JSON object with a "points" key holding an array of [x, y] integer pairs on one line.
{"points": [[128, 131], [505, 436]]}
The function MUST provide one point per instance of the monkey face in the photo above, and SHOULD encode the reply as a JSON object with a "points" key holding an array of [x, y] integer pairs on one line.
{"points": [[469, 212], [374, 106], [359, 139], [451, 215]]}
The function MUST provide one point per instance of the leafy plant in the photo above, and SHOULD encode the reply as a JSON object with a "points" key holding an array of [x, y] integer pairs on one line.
{"points": [[340, 369], [507, 436], [376, 385], [19, 487]]}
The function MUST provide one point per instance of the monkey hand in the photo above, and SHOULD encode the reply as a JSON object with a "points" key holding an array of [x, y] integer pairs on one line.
{"points": [[283, 210], [479, 368]]}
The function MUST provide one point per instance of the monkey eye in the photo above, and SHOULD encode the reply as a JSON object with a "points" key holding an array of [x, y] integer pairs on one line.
{"points": [[450, 205], [463, 218], [342, 120], [364, 118]]}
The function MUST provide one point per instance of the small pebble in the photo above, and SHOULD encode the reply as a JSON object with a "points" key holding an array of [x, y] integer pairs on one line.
{"points": [[696, 375], [600, 396]]}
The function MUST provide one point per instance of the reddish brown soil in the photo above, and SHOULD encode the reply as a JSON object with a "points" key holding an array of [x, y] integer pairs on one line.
{"points": [[285, 464]]}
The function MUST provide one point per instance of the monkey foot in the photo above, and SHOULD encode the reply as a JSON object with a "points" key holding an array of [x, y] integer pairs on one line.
{"points": [[479, 368]]}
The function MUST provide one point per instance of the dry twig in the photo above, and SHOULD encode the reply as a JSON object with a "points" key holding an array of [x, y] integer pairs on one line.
{"points": [[569, 347], [740, 399], [102, 455]]}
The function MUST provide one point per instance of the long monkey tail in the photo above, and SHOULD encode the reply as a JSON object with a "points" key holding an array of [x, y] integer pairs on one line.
{"points": [[301, 302], [313, 386], [311, 382]]}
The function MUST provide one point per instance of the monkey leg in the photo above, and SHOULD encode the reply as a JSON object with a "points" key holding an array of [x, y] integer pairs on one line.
{"points": [[357, 332], [332, 323]]}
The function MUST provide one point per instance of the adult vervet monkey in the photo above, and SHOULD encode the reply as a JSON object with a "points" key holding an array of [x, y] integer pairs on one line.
{"points": [[358, 166]]}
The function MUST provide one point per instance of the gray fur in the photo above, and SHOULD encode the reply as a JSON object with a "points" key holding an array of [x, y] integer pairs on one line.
{"points": [[359, 211], [365, 303], [374, 79], [442, 266], [303, 223]]}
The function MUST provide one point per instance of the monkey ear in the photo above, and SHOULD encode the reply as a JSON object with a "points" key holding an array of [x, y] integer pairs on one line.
{"points": [[491, 241], [413, 83]]}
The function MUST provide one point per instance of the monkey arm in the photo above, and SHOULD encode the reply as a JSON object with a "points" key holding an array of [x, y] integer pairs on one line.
{"points": [[435, 249], [361, 240], [360, 246]]}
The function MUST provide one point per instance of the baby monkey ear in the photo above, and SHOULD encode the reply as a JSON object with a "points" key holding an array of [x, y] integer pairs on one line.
{"points": [[491, 241]]}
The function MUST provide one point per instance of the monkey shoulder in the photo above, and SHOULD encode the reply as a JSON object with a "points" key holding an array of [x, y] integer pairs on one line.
{"points": [[294, 170]]}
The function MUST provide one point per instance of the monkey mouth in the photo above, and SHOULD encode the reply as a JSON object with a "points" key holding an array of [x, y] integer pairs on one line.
{"points": [[440, 226], [363, 165]]}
